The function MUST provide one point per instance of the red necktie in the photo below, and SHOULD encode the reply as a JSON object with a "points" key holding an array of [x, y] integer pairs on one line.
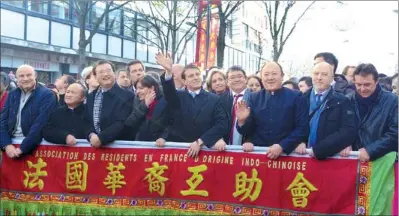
{"points": [[233, 116]]}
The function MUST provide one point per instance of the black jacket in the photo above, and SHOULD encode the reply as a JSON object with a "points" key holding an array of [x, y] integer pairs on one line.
{"points": [[378, 131], [63, 122], [337, 125], [342, 85], [153, 128], [200, 117], [116, 107]]}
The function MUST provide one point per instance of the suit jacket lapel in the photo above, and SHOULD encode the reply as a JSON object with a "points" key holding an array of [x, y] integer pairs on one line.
{"points": [[159, 108]]}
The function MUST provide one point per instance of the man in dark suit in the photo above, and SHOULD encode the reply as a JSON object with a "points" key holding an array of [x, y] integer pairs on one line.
{"points": [[108, 107], [236, 80], [199, 117], [331, 116], [276, 116], [67, 123]]}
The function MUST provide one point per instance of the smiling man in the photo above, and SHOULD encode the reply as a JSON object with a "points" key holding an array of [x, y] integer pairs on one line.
{"points": [[275, 117], [199, 117], [108, 107], [377, 115], [25, 113]]}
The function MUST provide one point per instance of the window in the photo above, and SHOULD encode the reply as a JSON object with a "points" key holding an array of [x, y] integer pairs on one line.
{"points": [[114, 22], [96, 13], [60, 9], [142, 25], [38, 6], [128, 24], [14, 3], [229, 29]]}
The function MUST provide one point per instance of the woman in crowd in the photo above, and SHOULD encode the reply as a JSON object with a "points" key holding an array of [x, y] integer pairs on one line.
{"points": [[150, 117], [254, 83], [216, 81], [4, 83]]}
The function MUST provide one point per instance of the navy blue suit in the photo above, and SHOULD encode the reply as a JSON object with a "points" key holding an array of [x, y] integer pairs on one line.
{"points": [[200, 117], [34, 117], [280, 117]]}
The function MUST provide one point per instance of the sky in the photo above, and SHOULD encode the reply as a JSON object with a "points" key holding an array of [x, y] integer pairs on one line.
{"points": [[355, 32]]}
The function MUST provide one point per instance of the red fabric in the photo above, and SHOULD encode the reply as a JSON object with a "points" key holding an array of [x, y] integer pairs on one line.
{"points": [[233, 117], [222, 168], [3, 100], [151, 108]]}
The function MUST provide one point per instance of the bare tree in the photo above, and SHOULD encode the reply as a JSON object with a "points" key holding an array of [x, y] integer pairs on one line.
{"points": [[277, 24], [164, 24], [225, 11], [260, 49], [82, 9]]}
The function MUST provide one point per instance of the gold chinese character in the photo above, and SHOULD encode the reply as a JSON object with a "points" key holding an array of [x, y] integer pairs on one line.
{"points": [[203, 37], [194, 181], [32, 179], [76, 175], [155, 178], [114, 178], [300, 190], [213, 36], [202, 57], [246, 185], [202, 48]]}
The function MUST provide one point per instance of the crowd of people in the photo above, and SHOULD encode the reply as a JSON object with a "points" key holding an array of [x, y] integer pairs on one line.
{"points": [[328, 113]]}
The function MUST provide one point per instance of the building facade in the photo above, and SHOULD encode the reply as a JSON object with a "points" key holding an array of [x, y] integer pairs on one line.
{"points": [[45, 34]]}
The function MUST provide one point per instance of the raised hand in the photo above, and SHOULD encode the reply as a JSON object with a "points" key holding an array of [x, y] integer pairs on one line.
{"points": [[165, 61], [149, 98], [242, 112]]}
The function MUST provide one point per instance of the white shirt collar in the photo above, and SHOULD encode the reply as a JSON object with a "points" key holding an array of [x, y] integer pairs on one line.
{"points": [[323, 93], [242, 93], [196, 92], [332, 83]]}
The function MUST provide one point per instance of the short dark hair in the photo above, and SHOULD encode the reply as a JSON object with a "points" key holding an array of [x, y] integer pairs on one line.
{"points": [[149, 81], [4, 80], [101, 62], [395, 76], [278, 64], [69, 79], [345, 71], [189, 66], [133, 62], [307, 80], [381, 75], [294, 84], [365, 70], [235, 68], [329, 58]]}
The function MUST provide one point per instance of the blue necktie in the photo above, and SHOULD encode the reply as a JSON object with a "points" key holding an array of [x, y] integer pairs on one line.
{"points": [[318, 100], [193, 94]]}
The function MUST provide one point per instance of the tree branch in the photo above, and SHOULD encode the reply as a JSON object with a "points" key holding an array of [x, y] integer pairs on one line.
{"points": [[300, 17], [188, 13], [269, 18], [234, 8]]}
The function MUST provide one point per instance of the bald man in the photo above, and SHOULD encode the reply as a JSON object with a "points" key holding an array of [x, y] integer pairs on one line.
{"points": [[177, 70], [331, 117], [68, 123], [25, 112], [275, 117]]}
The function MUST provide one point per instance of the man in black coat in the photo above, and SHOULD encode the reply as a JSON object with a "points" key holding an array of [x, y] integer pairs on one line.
{"points": [[67, 123], [199, 117], [331, 117], [377, 115], [108, 107]]}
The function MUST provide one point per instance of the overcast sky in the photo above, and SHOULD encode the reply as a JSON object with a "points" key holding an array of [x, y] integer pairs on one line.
{"points": [[355, 32]]}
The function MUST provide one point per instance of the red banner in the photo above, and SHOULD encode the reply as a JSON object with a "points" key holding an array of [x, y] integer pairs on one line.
{"points": [[228, 182], [213, 35]]}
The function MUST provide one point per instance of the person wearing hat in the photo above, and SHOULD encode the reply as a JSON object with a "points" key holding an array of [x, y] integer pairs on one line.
{"points": [[4, 83]]}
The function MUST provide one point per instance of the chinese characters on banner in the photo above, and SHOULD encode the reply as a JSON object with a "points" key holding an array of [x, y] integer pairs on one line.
{"points": [[289, 184], [214, 29]]}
